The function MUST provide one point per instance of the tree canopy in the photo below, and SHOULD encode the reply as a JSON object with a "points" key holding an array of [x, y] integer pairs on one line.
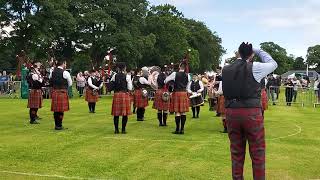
{"points": [[82, 31]]}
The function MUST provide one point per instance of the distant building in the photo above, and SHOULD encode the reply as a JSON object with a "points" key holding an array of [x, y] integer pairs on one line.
{"points": [[311, 74]]}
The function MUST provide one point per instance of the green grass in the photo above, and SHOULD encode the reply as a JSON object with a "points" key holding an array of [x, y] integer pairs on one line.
{"points": [[89, 149]]}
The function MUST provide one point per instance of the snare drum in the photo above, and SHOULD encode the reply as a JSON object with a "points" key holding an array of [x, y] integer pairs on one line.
{"points": [[196, 100]]}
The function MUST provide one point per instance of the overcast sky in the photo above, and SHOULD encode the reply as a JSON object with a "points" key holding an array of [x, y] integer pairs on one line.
{"points": [[293, 24]]}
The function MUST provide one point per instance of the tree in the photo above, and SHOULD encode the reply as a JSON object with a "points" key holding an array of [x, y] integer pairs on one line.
{"points": [[279, 54], [299, 64], [207, 43], [170, 36], [313, 56], [80, 29]]}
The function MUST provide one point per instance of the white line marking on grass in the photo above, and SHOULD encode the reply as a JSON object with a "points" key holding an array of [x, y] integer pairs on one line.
{"points": [[45, 175], [299, 130]]}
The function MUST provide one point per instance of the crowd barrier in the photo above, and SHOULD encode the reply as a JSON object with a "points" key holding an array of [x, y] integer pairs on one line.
{"points": [[10, 89], [289, 95], [277, 95]]}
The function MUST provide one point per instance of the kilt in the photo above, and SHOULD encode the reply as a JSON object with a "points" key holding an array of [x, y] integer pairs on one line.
{"points": [[121, 104], [158, 103], [139, 100], [59, 100], [264, 99], [179, 102], [220, 106], [90, 97], [35, 98]]}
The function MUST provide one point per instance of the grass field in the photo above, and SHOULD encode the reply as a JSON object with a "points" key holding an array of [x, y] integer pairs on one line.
{"points": [[89, 149]]}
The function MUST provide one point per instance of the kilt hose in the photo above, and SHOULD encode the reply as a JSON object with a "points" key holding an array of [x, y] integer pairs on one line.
{"points": [[59, 100], [139, 100], [179, 102], [264, 99], [158, 103], [246, 124], [35, 98], [90, 98], [121, 104]]}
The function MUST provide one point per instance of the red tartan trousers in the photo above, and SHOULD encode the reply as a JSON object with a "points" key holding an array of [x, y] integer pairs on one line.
{"points": [[246, 124]]}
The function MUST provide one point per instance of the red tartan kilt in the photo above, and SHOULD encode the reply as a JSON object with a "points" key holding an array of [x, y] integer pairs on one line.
{"points": [[158, 103], [220, 106], [90, 97], [59, 101], [139, 100], [121, 104], [179, 102], [35, 98], [264, 99]]}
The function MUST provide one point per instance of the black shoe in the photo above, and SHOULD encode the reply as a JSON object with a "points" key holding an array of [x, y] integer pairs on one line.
{"points": [[34, 122], [197, 117], [274, 104], [181, 132], [218, 114], [225, 131], [193, 117], [123, 132], [38, 118], [116, 132], [176, 132], [60, 128], [161, 125]]}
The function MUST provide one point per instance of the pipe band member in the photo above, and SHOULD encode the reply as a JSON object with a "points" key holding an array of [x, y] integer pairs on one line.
{"points": [[92, 93], [141, 83], [35, 98], [159, 103], [180, 101], [60, 80], [245, 122], [121, 104], [195, 88]]}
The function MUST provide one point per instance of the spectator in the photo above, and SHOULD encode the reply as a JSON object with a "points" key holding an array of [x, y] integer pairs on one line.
{"points": [[4, 81], [81, 83], [289, 91], [272, 88], [316, 88], [296, 86], [278, 83]]}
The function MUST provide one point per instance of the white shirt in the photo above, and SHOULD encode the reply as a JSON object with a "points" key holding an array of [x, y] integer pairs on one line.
{"points": [[189, 87], [128, 79], [268, 65], [315, 86], [66, 75], [172, 77], [36, 77], [296, 84], [143, 80], [92, 85]]}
